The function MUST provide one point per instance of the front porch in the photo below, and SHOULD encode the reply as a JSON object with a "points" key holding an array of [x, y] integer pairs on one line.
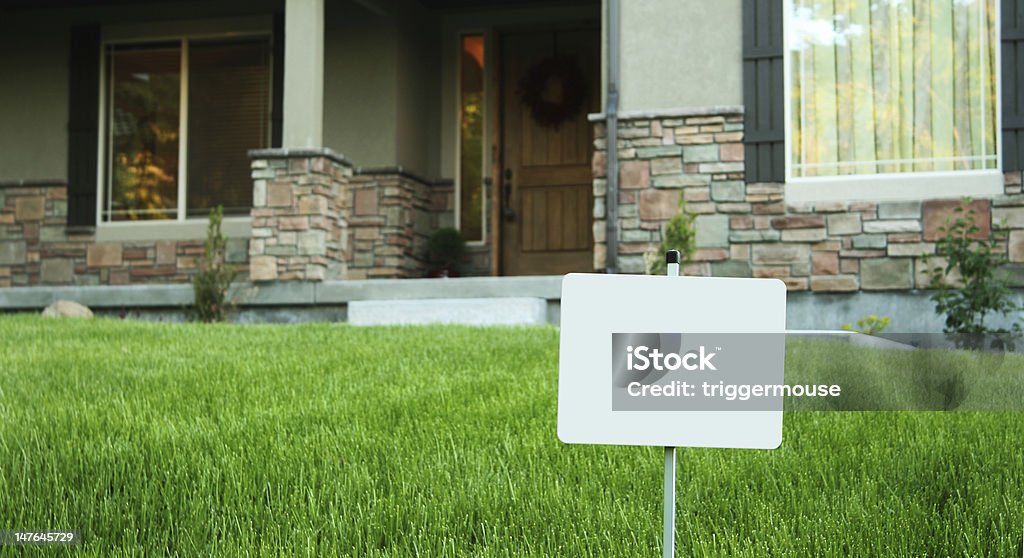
{"points": [[377, 124]]}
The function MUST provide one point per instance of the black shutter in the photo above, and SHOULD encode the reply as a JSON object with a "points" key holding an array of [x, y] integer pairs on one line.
{"points": [[764, 129], [1013, 84], [83, 124], [277, 92]]}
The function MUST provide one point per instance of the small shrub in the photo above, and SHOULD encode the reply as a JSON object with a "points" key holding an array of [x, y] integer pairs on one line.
{"points": [[985, 286], [870, 325], [679, 234], [211, 283], [446, 247]]}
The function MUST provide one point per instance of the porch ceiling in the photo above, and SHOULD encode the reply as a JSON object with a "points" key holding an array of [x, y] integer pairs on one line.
{"points": [[26, 5], [475, 4]]}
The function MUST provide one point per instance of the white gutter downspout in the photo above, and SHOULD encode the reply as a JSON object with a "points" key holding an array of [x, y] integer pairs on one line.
{"points": [[611, 200]]}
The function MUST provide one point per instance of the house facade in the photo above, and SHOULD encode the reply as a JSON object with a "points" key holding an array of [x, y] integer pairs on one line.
{"points": [[822, 143]]}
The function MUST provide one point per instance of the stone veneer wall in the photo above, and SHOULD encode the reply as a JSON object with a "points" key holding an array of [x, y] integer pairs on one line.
{"points": [[442, 204], [36, 248], [312, 220], [392, 214], [389, 220], [299, 227], [748, 230]]}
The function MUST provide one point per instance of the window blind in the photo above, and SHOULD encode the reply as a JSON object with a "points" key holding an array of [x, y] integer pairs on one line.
{"points": [[228, 114]]}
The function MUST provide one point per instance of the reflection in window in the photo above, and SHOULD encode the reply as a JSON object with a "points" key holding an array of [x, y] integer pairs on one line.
{"points": [[892, 86], [145, 85], [471, 128], [227, 110]]}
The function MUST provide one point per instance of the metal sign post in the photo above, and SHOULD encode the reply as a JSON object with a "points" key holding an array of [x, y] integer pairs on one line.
{"points": [[670, 503], [672, 258]]}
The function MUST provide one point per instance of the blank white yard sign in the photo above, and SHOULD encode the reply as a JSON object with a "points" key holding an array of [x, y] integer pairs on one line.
{"points": [[594, 306]]}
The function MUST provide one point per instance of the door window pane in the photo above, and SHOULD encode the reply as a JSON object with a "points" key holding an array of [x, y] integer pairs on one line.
{"points": [[471, 129], [892, 86], [145, 85]]}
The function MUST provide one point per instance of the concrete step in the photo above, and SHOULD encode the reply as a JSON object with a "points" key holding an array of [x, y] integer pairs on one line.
{"points": [[467, 311]]}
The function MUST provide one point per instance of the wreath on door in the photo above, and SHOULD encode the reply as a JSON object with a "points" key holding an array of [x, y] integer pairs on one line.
{"points": [[554, 90]]}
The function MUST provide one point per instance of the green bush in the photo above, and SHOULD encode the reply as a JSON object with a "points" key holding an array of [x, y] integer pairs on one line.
{"points": [[985, 286], [679, 234], [211, 283], [870, 325], [446, 247]]}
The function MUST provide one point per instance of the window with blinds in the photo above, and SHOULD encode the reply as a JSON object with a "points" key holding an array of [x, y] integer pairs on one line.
{"points": [[914, 82], [896, 87], [228, 114], [180, 119]]}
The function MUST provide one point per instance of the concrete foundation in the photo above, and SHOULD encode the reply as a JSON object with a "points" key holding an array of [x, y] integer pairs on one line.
{"points": [[296, 301]]}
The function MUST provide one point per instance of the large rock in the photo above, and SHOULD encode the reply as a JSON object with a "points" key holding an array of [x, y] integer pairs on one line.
{"points": [[67, 309]]}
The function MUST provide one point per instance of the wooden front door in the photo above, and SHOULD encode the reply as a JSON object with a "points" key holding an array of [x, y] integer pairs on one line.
{"points": [[546, 182]]}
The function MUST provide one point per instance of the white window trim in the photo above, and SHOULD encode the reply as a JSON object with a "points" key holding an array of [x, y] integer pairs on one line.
{"points": [[484, 142], [913, 186], [190, 229], [182, 227]]}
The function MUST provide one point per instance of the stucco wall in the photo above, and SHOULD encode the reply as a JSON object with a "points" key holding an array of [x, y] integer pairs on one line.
{"points": [[34, 75], [381, 85], [359, 84], [419, 91], [680, 53]]}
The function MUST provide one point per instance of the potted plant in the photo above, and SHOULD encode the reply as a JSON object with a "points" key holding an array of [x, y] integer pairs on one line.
{"points": [[446, 247]]}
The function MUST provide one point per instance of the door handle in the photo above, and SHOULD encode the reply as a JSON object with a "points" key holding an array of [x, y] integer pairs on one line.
{"points": [[507, 212]]}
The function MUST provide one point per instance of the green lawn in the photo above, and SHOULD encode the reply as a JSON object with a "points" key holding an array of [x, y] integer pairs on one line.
{"points": [[325, 439]]}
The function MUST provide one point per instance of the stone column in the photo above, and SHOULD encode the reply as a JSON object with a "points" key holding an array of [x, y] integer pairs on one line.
{"points": [[298, 230], [303, 74]]}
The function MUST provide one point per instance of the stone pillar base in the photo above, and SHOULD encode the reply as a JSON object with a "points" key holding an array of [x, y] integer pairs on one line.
{"points": [[298, 230]]}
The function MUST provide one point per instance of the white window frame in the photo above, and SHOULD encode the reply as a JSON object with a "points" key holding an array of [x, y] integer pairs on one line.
{"points": [[485, 134], [181, 227], [911, 186]]}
